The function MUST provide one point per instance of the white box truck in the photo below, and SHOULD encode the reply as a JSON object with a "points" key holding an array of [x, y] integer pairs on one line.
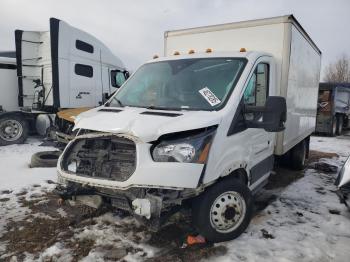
{"points": [[200, 126], [59, 69]]}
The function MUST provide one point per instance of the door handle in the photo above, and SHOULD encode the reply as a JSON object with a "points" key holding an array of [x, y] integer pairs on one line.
{"points": [[81, 93]]}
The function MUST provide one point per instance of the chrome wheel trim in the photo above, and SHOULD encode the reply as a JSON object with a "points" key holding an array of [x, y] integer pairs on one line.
{"points": [[11, 130], [227, 212]]}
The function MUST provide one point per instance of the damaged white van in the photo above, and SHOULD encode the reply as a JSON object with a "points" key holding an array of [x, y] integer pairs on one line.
{"points": [[198, 127]]}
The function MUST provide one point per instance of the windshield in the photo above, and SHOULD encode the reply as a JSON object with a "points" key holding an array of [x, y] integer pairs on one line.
{"points": [[185, 84]]}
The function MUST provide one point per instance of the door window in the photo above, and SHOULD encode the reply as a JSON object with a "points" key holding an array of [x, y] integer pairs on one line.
{"points": [[84, 70], [257, 89]]}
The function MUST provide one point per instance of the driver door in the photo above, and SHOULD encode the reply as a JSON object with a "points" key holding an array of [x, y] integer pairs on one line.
{"points": [[260, 141]]}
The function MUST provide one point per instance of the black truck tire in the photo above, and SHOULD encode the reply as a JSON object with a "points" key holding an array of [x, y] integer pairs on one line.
{"points": [[45, 159], [223, 211], [298, 156], [340, 122], [333, 127], [13, 129]]}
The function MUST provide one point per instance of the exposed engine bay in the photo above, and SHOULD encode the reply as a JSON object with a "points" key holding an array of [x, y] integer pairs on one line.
{"points": [[108, 157]]}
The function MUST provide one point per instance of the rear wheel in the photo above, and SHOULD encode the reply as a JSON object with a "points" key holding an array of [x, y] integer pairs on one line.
{"points": [[298, 156], [333, 127], [13, 129], [223, 211], [340, 122]]}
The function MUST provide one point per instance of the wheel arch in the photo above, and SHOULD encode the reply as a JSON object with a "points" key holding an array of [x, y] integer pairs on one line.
{"points": [[239, 173], [10, 113]]}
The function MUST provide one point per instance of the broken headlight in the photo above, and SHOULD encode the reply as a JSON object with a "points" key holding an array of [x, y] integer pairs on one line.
{"points": [[190, 149]]}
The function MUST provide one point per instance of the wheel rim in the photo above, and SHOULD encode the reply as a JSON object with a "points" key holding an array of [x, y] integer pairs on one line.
{"points": [[227, 212], [11, 130]]}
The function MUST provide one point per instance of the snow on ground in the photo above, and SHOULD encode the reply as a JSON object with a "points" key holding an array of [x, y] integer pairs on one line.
{"points": [[299, 221], [303, 221], [339, 145], [15, 173]]}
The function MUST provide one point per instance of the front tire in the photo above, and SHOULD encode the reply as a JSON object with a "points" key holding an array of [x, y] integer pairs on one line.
{"points": [[223, 211], [13, 129]]}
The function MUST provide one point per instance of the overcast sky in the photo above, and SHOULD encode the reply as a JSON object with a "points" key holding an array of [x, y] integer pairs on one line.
{"points": [[133, 29]]}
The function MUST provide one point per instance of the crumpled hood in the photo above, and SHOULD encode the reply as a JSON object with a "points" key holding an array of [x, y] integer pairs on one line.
{"points": [[143, 126]]}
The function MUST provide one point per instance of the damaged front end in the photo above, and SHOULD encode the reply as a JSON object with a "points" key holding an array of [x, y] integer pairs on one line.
{"points": [[343, 184], [151, 206], [102, 169]]}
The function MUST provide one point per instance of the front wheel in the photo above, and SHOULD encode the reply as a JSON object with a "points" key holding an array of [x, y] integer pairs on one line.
{"points": [[13, 129], [223, 211]]}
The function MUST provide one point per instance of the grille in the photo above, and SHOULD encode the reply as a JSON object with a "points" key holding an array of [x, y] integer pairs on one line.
{"points": [[108, 157]]}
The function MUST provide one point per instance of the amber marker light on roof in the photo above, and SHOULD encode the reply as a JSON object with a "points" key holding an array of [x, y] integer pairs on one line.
{"points": [[209, 50], [176, 53], [242, 50], [191, 51], [155, 56]]}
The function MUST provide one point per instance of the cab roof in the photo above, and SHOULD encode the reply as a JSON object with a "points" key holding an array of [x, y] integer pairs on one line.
{"points": [[249, 55]]}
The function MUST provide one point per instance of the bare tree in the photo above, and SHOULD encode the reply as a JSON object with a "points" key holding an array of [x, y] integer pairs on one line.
{"points": [[338, 71]]}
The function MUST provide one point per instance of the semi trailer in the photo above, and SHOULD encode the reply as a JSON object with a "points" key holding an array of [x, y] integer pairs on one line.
{"points": [[63, 68], [333, 111], [200, 127]]}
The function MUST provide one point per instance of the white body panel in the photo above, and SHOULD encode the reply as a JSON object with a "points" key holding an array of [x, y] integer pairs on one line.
{"points": [[345, 174], [53, 58], [131, 122], [297, 59], [301, 92], [8, 84]]}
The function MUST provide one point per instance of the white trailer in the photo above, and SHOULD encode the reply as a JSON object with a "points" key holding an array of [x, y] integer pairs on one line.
{"points": [[200, 125], [62, 68]]}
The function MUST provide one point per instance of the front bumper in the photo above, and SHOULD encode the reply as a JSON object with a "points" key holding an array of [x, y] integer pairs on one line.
{"points": [[152, 204]]}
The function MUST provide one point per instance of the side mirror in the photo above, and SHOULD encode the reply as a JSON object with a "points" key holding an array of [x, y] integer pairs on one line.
{"points": [[118, 78], [273, 114], [126, 74]]}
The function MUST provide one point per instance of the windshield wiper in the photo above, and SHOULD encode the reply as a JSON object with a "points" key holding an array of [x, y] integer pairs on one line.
{"points": [[118, 101]]}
